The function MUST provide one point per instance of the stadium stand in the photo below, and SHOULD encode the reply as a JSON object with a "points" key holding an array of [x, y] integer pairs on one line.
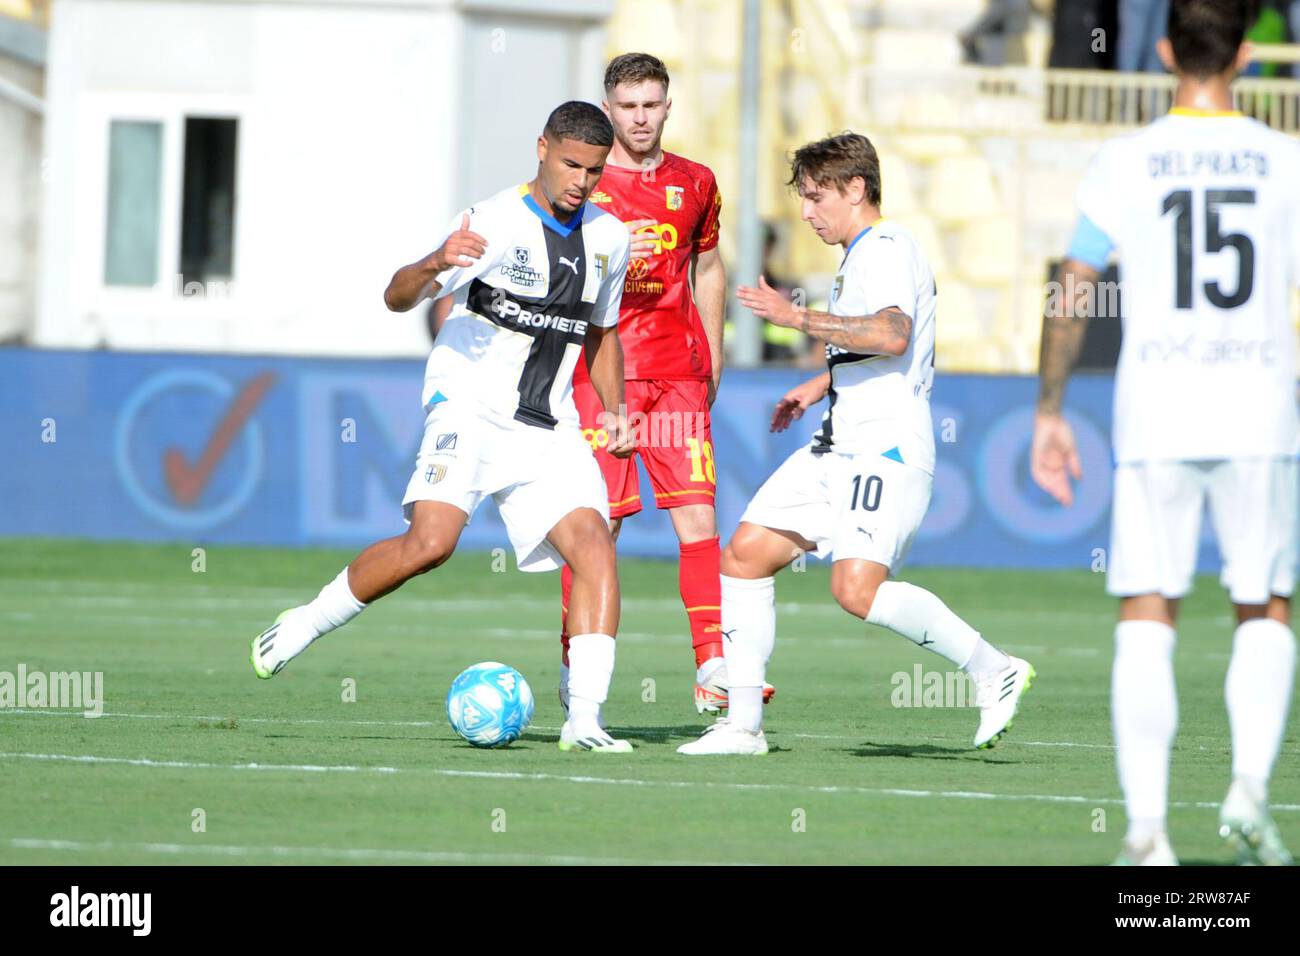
{"points": [[981, 163]]}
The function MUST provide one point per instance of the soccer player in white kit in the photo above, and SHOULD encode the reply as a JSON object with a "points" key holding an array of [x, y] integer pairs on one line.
{"points": [[860, 490], [536, 273], [1203, 208]]}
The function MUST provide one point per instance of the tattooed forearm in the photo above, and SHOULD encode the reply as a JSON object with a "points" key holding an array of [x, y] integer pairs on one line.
{"points": [[886, 332], [1065, 321]]}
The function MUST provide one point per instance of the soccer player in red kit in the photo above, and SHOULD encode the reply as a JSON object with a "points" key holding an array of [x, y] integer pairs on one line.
{"points": [[672, 347]]}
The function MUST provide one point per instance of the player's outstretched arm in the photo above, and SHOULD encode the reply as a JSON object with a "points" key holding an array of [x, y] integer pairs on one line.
{"points": [[887, 332], [413, 283], [1054, 459], [798, 400], [604, 354]]}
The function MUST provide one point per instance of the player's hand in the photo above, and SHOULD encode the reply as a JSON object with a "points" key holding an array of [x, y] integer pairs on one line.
{"points": [[644, 238], [622, 441], [768, 303], [461, 249], [797, 401], [1054, 459]]}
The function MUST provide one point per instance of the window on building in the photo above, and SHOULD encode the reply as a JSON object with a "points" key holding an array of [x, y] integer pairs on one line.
{"points": [[134, 203], [208, 200]]}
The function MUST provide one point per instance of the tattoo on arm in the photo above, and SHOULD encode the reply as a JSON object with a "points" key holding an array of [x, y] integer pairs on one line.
{"points": [[1064, 323], [887, 331]]}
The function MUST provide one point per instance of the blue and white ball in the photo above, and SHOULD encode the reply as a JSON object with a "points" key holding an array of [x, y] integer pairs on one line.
{"points": [[490, 704]]}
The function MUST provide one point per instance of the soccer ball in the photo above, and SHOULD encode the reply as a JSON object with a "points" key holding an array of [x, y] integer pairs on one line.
{"points": [[490, 704]]}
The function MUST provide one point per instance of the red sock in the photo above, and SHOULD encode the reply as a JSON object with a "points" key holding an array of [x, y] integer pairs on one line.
{"points": [[566, 587], [701, 587]]}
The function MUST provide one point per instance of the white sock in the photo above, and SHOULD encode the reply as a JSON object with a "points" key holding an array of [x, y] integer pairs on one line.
{"points": [[985, 659], [1258, 693], [745, 708], [925, 620], [332, 608], [748, 636], [591, 667], [1144, 714]]}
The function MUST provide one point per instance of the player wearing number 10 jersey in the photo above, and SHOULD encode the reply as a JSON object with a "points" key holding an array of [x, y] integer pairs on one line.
{"points": [[1203, 208], [859, 491], [670, 325]]}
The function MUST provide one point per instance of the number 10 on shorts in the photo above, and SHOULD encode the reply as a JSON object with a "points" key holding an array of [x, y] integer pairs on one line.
{"points": [[866, 492]]}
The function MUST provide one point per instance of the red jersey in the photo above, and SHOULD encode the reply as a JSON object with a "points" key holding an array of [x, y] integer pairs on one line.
{"points": [[659, 325]]}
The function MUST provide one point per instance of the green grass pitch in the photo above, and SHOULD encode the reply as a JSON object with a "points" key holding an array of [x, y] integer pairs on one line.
{"points": [[287, 771]]}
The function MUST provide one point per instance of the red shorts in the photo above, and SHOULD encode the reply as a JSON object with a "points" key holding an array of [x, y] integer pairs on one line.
{"points": [[670, 418]]}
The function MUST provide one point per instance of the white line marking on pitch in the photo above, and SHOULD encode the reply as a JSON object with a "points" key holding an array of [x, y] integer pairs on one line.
{"points": [[344, 853], [28, 712], [608, 781]]}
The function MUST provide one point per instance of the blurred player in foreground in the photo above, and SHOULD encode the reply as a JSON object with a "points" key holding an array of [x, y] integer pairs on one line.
{"points": [[860, 490], [536, 274], [671, 330], [1203, 207]]}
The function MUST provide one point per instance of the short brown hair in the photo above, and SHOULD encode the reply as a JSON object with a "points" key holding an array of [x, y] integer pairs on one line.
{"points": [[837, 161], [634, 68]]}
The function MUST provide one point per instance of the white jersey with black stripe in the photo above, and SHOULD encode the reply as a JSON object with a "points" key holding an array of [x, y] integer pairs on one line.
{"points": [[521, 311], [880, 404]]}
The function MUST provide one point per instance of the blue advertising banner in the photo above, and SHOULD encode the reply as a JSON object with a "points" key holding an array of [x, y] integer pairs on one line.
{"points": [[294, 451]]}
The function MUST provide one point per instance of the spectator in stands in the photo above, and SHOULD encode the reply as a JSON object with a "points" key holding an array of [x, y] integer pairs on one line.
{"points": [[1141, 24], [986, 41], [779, 344], [1077, 26], [1270, 27]]}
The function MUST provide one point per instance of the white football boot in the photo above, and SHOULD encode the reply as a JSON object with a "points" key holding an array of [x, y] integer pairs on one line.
{"points": [[592, 737], [274, 648], [1249, 830], [1155, 852], [711, 687], [725, 738], [998, 697]]}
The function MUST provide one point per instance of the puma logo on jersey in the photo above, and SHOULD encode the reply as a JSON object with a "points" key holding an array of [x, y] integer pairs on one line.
{"points": [[571, 263]]}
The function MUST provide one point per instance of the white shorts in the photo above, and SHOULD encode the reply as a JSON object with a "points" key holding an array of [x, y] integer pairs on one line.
{"points": [[535, 475], [1156, 526], [851, 506]]}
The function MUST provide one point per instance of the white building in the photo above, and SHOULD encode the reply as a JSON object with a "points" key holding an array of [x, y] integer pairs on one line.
{"points": [[245, 175], [22, 61]]}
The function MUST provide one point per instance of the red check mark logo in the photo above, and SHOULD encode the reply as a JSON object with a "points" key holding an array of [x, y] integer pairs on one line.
{"points": [[187, 481]]}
